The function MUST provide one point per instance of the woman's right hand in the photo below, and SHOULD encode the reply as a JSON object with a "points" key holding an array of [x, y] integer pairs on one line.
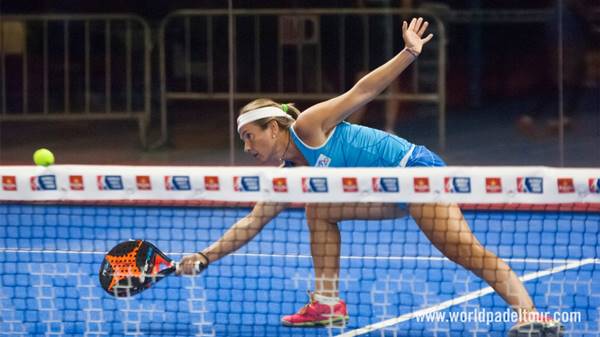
{"points": [[192, 264], [412, 34]]}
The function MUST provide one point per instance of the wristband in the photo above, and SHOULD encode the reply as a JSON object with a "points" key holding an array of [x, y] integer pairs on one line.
{"points": [[202, 265]]}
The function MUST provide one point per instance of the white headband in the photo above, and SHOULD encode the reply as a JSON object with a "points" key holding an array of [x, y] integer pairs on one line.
{"points": [[260, 113]]}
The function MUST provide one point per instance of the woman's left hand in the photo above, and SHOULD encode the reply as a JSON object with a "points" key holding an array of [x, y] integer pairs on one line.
{"points": [[412, 33]]}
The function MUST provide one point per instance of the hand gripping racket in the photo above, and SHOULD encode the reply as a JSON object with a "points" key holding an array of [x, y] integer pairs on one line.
{"points": [[134, 266]]}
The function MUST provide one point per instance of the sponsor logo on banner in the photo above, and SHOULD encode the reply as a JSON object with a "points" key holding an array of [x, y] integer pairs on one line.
{"points": [[323, 161], [43, 183], [421, 184], [565, 185], [457, 184], [280, 185], [385, 184], [76, 183], [211, 183], [246, 184], [594, 185], [350, 184], [177, 183], [493, 185], [314, 185], [109, 183], [530, 185], [143, 183], [9, 183]]}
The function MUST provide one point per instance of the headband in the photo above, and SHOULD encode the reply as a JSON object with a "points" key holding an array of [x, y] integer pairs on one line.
{"points": [[260, 113]]}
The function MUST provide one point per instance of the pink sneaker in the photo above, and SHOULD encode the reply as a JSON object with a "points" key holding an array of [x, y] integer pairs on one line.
{"points": [[317, 314]]}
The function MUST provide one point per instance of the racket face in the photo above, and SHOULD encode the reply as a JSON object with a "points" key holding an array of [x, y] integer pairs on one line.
{"points": [[132, 267]]}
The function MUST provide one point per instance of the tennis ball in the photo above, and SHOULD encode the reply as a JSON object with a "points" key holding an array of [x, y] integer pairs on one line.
{"points": [[43, 157]]}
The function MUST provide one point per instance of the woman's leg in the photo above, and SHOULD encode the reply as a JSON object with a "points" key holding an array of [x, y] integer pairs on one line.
{"points": [[447, 229], [325, 237]]}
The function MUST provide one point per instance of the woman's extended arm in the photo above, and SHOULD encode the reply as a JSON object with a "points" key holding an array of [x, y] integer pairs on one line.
{"points": [[238, 235], [324, 116]]}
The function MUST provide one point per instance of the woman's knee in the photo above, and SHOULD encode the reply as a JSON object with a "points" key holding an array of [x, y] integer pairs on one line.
{"points": [[471, 256]]}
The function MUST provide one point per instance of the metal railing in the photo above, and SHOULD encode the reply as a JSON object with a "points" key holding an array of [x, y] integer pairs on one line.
{"points": [[75, 67], [291, 55]]}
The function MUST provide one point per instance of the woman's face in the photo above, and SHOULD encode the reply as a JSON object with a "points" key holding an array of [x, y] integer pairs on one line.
{"points": [[259, 142]]}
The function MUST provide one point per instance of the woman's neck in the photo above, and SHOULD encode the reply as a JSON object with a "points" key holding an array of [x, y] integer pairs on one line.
{"points": [[292, 153]]}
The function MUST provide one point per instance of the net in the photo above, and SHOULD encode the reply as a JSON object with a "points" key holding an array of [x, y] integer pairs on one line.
{"points": [[57, 223]]}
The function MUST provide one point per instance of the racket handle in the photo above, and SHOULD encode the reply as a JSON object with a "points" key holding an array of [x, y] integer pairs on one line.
{"points": [[198, 267]]}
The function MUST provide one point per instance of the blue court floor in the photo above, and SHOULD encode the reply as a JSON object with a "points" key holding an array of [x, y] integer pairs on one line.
{"points": [[50, 255]]}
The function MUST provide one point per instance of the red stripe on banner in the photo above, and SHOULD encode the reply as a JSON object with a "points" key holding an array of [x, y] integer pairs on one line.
{"points": [[566, 207]]}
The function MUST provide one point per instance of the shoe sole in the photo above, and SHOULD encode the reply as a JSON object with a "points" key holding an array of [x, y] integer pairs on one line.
{"points": [[536, 329], [326, 322]]}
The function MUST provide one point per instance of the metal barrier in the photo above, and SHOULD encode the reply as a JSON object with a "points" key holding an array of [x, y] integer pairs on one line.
{"points": [[75, 67], [291, 55]]}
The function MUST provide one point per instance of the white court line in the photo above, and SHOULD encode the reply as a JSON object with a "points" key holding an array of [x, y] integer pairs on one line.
{"points": [[461, 299], [287, 256]]}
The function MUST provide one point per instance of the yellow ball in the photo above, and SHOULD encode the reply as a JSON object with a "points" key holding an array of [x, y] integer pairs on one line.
{"points": [[43, 157]]}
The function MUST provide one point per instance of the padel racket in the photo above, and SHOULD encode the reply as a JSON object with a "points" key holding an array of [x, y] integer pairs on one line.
{"points": [[134, 266]]}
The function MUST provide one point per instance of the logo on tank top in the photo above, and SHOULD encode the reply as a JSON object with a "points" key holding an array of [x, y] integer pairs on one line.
{"points": [[323, 161]]}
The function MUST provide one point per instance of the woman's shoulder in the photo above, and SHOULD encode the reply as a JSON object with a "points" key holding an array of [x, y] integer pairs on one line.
{"points": [[307, 132]]}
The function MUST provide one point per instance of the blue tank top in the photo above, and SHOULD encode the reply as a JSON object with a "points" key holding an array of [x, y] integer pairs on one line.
{"points": [[351, 145]]}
